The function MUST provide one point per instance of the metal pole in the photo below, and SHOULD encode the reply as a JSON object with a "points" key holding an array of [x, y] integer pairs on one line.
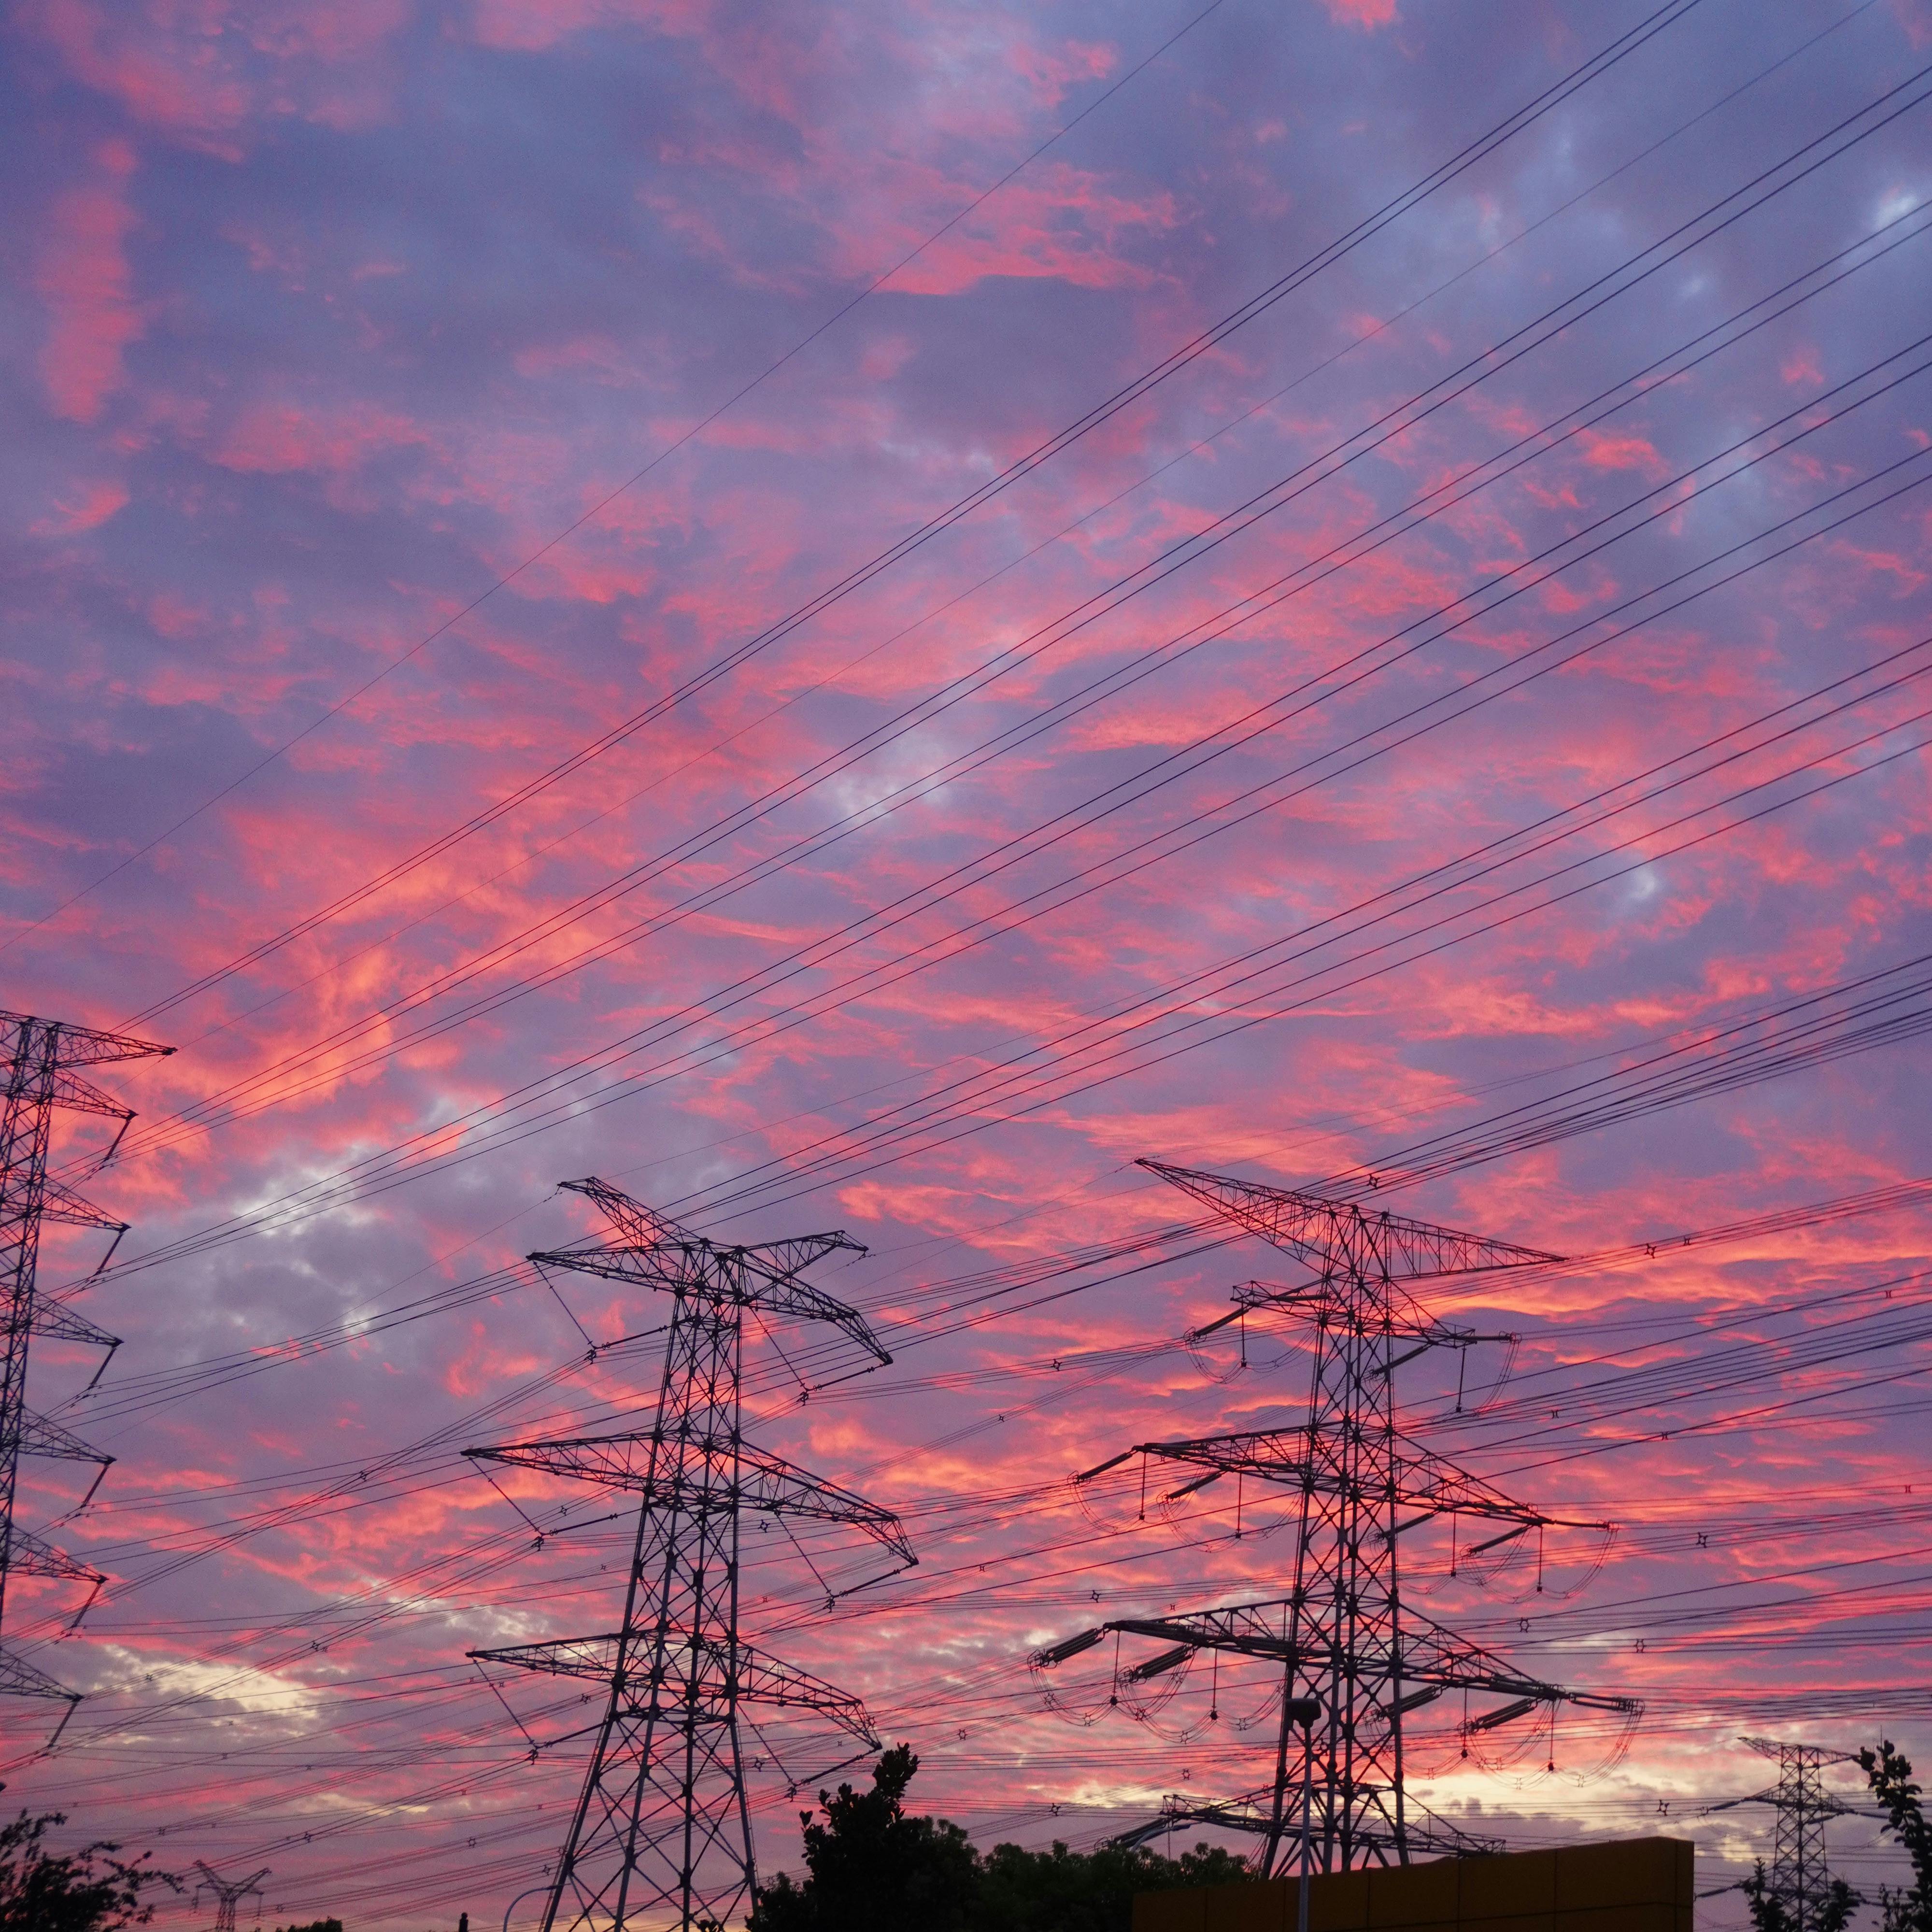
{"points": [[1304, 1711], [519, 1899]]}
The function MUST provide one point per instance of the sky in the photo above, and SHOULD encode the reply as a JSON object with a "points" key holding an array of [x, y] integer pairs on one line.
{"points": [[860, 617]]}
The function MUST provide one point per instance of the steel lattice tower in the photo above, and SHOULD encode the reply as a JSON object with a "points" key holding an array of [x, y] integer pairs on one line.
{"points": [[228, 1893], [1344, 1638], [43, 1057], [661, 1823], [1800, 1879]]}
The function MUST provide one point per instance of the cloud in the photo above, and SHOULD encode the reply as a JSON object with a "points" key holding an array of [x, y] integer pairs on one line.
{"points": [[276, 438], [682, 963], [1367, 15], [163, 78], [84, 280], [87, 508]]}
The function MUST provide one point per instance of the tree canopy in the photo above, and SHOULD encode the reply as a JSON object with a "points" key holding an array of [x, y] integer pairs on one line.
{"points": [[872, 1866], [86, 1891], [1907, 1909]]}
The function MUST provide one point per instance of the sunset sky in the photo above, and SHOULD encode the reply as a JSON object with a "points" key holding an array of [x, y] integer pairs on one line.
{"points": [[857, 616]]}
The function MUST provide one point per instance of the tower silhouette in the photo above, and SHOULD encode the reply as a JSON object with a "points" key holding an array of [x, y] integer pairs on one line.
{"points": [[1800, 1879], [661, 1823], [228, 1893], [42, 1060], [1356, 1659]]}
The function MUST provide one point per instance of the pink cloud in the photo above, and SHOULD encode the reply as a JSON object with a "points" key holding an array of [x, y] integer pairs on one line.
{"points": [[197, 72], [87, 508], [1051, 74], [156, 79], [520, 26], [275, 438], [82, 276], [1622, 452], [1801, 365], [1366, 14], [1063, 226]]}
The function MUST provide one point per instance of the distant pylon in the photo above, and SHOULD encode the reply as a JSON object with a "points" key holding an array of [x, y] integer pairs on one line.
{"points": [[1800, 1879], [228, 1893], [41, 1060], [662, 1823], [1355, 1659]]}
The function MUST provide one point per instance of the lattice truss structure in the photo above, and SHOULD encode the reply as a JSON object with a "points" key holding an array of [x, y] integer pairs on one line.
{"points": [[662, 1826], [43, 1059], [229, 1893], [1800, 1877], [1356, 1660]]}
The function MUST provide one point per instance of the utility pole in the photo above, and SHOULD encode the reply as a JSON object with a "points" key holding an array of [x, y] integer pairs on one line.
{"points": [[1348, 1645], [661, 1825], [42, 1059], [1800, 1879], [228, 1893]]}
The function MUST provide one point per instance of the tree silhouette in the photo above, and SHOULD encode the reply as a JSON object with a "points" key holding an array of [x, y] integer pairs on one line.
{"points": [[1889, 1772], [869, 1866], [86, 1891], [872, 1867]]}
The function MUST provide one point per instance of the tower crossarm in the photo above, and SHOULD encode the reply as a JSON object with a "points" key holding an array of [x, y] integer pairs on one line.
{"points": [[40, 1437], [61, 1204], [60, 1323], [1340, 1237], [19, 1678], [766, 1680], [1430, 1658], [1255, 1812], [1331, 1302], [760, 1678], [653, 1251], [83, 1046], [1782, 1753], [32, 1556], [775, 1487], [1422, 1484], [1433, 1655], [1251, 1814], [726, 1476], [82, 1097], [775, 1267], [1825, 1804]]}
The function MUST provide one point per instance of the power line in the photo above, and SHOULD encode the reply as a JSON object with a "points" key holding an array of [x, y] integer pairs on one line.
{"points": [[1610, 56], [604, 502]]}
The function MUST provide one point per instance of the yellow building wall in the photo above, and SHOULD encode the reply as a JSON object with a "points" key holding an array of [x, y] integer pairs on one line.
{"points": [[1632, 1885]]}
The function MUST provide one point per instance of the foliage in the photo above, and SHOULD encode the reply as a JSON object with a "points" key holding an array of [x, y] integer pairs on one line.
{"points": [[1768, 1913], [870, 1867], [86, 1891], [314, 1925], [1889, 1773], [1059, 1890]]}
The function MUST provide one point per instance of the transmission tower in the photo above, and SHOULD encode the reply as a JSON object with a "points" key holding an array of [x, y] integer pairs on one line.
{"points": [[662, 1823], [1356, 1660], [228, 1893], [43, 1059], [1800, 1879]]}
